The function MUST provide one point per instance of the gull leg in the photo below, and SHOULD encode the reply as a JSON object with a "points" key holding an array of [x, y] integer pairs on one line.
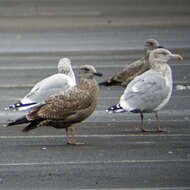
{"points": [[72, 141], [158, 123], [73, 138], [67, 136], [142, 122]]}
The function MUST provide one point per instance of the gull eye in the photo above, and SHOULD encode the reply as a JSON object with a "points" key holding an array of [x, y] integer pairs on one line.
{"points": [[164, 53], [85, 69]]}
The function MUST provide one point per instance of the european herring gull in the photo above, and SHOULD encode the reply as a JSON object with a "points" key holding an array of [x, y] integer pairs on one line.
{"points": [[150, 91], [134, 69], [63, 80], [67, 107]]}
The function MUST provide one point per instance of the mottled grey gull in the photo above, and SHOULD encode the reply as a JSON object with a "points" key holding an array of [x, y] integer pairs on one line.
{"points": [[63, 80], [66, 108], [150, 91], [134, 69]]}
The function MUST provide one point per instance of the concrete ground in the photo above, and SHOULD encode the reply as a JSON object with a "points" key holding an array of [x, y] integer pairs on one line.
{"points": [[34, 35]]}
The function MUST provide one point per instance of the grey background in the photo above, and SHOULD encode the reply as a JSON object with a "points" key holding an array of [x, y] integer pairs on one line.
{"points": [[108, 34]]}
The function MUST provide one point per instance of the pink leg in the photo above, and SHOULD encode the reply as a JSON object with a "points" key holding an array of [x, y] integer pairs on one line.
{"points": [[142, 122], [158, 123], [67, 136]]}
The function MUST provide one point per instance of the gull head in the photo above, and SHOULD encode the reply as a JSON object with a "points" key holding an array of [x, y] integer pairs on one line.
{"points": [[163, 55], [151, 44], [64, 66], [88, 72]]}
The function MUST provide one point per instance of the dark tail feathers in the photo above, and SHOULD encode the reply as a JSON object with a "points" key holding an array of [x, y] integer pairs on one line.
{"points": [[18, 121], [115, 109], [32, 125]]}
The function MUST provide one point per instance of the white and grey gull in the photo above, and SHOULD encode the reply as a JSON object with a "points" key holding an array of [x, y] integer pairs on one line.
{"points": [[63, 80], [66, 108], [134, 69], [150, 91]]}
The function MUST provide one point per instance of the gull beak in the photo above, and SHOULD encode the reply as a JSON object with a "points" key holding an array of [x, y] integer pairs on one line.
{"points": [[98, 74], [179, 57]]}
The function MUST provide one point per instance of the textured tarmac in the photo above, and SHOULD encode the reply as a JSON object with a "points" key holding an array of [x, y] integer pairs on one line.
{"points": [[107, 34]]}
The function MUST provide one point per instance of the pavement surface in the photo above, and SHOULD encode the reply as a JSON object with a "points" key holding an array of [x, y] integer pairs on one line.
{"points": [[34, 35]]}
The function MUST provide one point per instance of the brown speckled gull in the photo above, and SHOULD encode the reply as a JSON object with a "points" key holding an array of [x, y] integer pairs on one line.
{"points": [[66, 108], [150, 91], [134, 69]]}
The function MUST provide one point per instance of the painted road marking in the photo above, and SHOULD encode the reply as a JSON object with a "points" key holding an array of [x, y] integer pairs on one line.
{"points": [[93, 162], [95, 135]]}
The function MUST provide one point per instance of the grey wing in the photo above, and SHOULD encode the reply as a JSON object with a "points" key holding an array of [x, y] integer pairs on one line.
{"points": [[49, 86], [145, 92]]}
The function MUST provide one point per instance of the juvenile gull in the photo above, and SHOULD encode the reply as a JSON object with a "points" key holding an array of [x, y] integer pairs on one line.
{"points": [[150, 91], [63, 80], [134, 69], [67, 107]]}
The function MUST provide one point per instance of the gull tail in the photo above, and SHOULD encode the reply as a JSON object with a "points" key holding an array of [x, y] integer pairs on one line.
{"points": [[19, 106], [115, 109], [18, 121], [34, 124]]}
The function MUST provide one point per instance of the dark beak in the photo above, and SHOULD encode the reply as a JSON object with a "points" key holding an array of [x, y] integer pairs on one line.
{"points": [[160, 47], [98, 74]]}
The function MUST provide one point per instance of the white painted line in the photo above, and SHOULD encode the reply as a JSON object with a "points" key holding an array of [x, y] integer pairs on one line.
{"points": [[95, 135], [149, 188], [93, 162]]}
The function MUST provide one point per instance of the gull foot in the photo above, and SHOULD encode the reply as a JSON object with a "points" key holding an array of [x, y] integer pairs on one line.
{"points": [[161, 131], [75, 143]]}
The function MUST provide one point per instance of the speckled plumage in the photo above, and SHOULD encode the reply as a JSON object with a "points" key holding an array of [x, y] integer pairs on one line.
{"points": [[66, 108], [72, 106]]}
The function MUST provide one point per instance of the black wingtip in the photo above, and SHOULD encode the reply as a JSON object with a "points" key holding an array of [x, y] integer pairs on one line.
{"points": [[14, 106], [10, 124], [105, 83], [19, 105], [115, 109], [108, 83]]}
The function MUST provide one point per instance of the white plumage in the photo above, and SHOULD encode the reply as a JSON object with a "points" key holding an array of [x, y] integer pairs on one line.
{"points": [[61, 81], [150, 91]]}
